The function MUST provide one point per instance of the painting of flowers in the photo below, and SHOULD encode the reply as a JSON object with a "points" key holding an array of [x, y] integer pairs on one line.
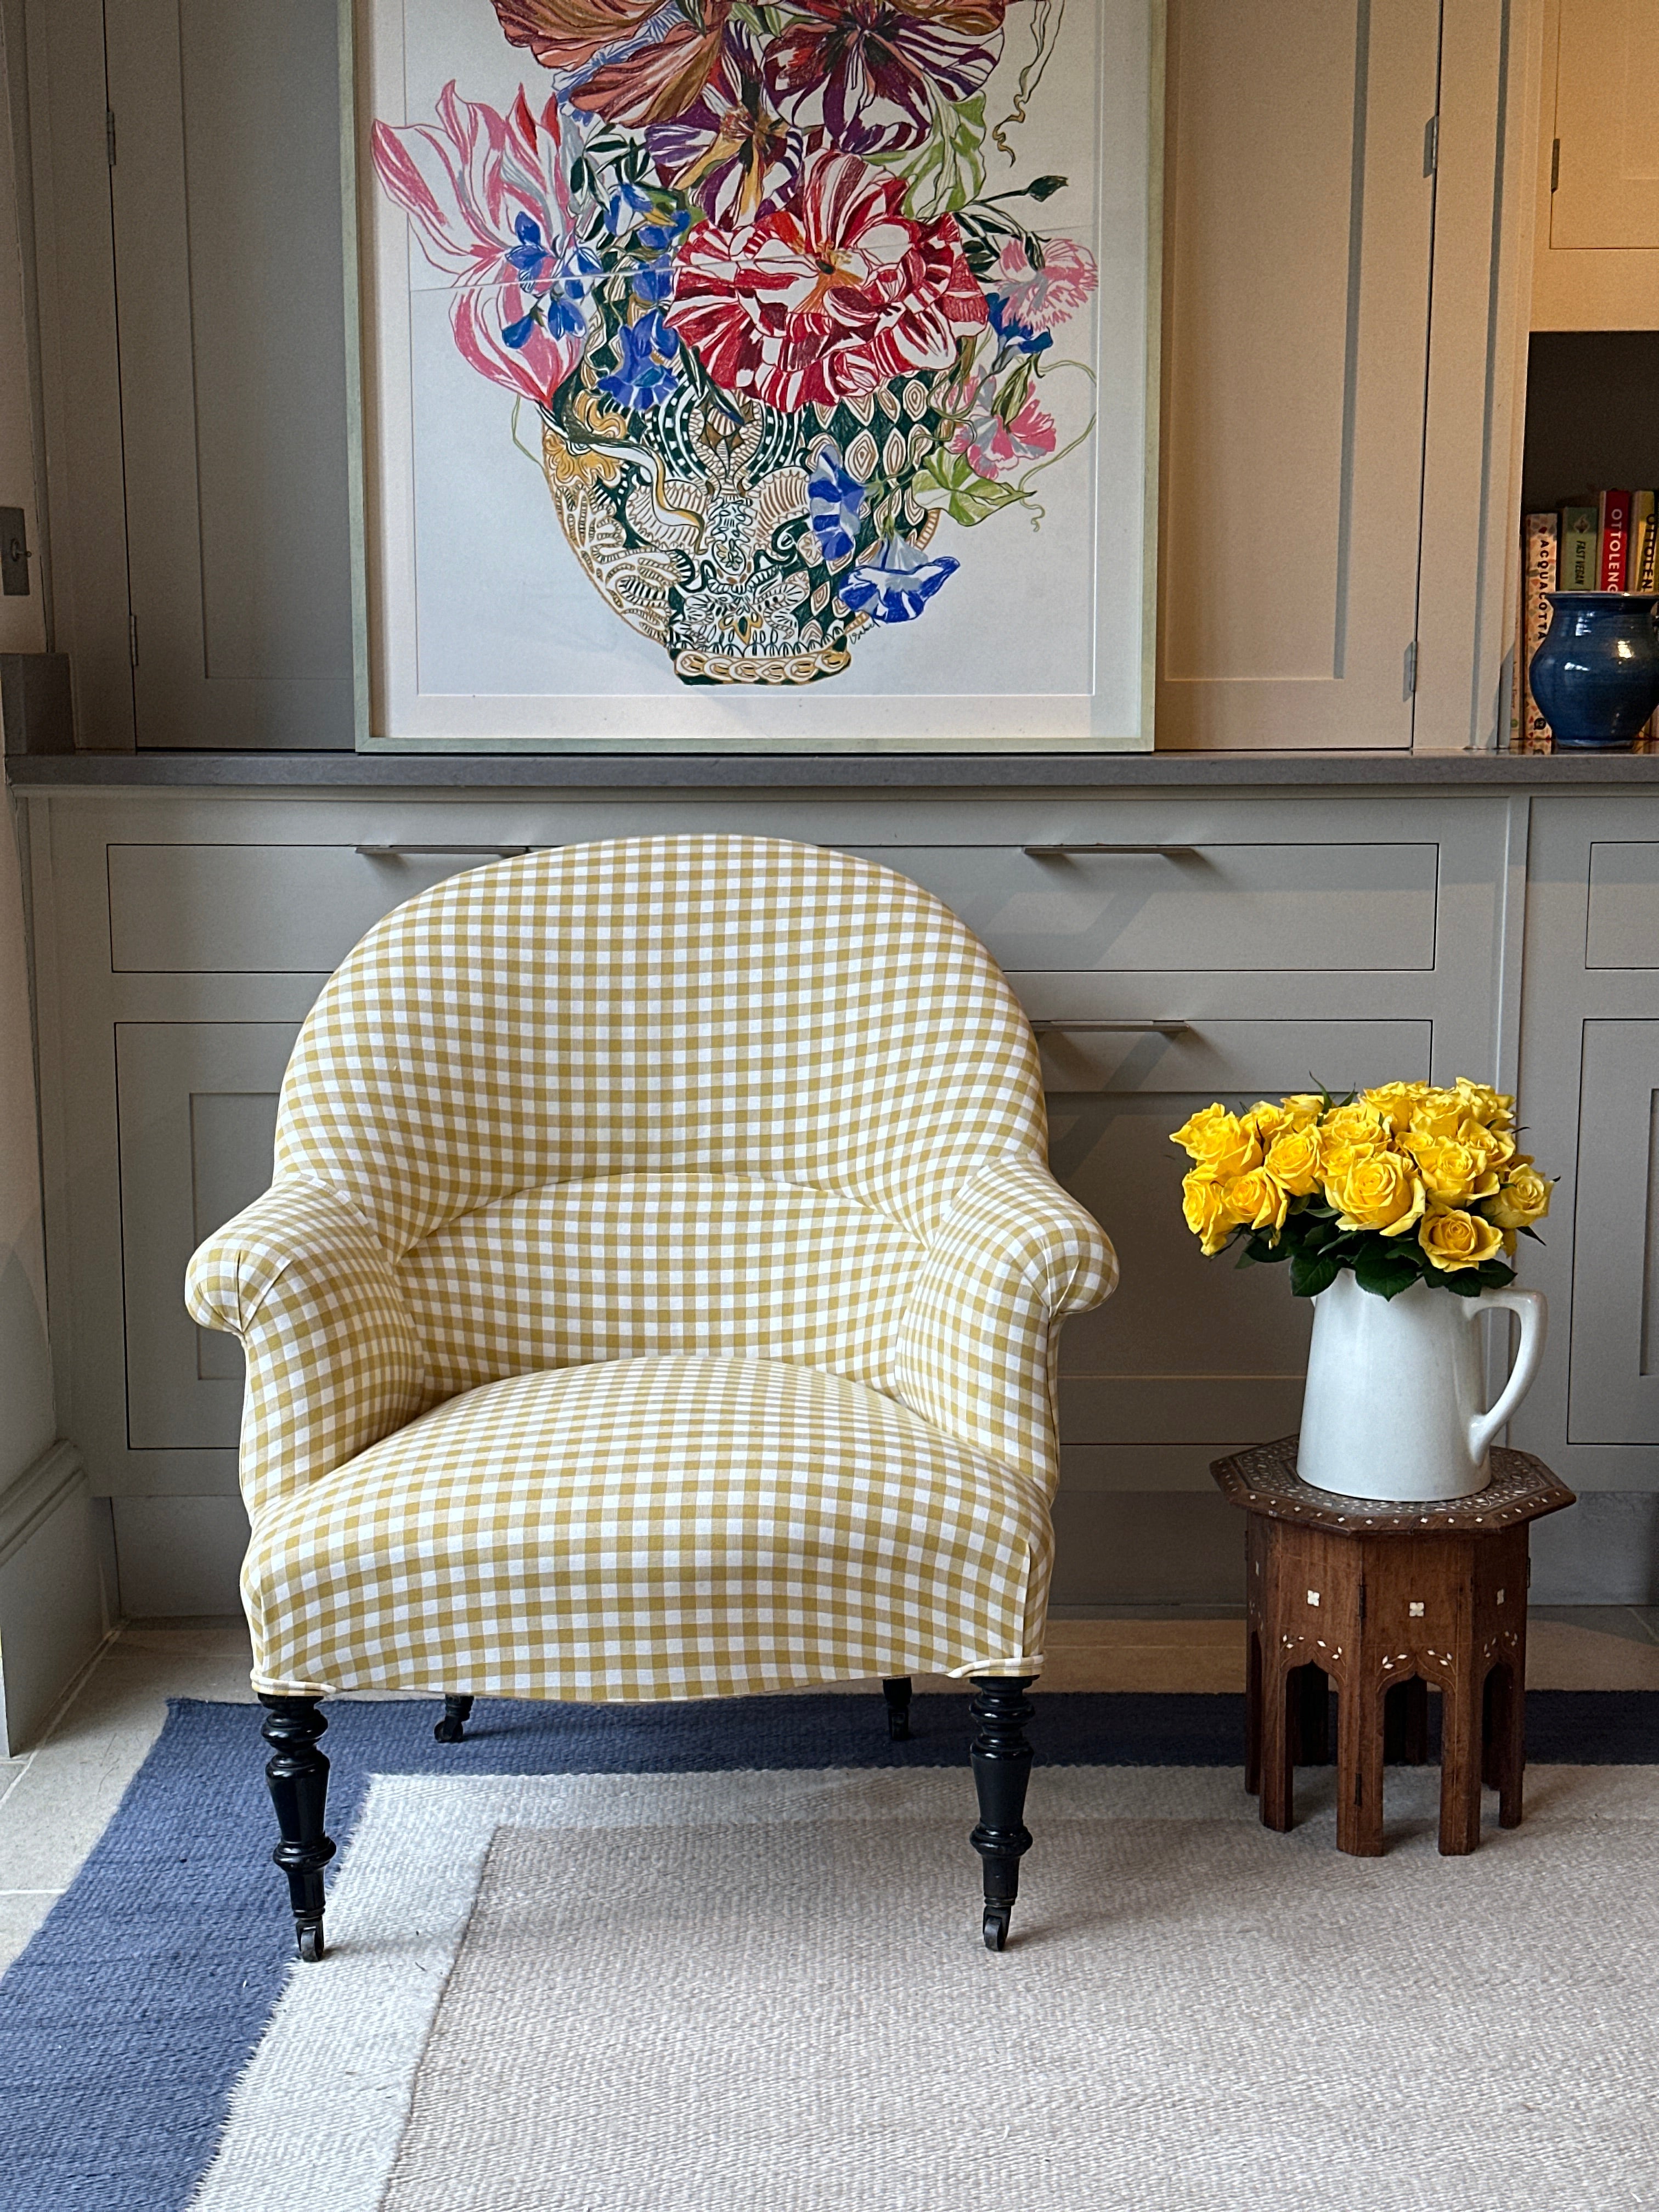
{"points": [[796, 333]]}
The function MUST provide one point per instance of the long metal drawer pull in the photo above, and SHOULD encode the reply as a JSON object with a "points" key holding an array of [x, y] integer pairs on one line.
{"points": [[401, 852], [1134, 1029], [1060, 852]]}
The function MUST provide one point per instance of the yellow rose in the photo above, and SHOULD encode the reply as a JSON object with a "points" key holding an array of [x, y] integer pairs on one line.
{"points": [[1493, 1147], [1438, 1114], [1378, 1190], [1492, 1109], [1452, 1173], [1394, 1102], [1257, 1200], [1293, 1162], [1456, 1239], [1302, 1108], [1204, 1206], [1267, 1120], [1346, 1135], [1525, 1199], [1220, 1143]]}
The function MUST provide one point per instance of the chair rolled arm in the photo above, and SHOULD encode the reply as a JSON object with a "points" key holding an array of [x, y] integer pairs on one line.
{"points": [[334, 1362], [976, 1352]]}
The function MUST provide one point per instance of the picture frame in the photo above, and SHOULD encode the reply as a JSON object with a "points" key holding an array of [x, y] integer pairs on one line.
{"points": [[634, 473]]}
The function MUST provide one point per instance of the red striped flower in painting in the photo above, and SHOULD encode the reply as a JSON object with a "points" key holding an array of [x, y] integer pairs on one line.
{"points": [[873, 73], [828, 297]]}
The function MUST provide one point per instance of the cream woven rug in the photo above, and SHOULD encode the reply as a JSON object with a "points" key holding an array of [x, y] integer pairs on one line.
{"points": [[766, 1993]]}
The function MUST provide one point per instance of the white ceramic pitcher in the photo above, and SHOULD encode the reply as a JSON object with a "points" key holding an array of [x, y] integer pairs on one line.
{"points": [[1392, 1408]]}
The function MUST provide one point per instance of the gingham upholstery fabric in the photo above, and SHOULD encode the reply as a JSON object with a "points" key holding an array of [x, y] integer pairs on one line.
{"points": [[657, 1291]]}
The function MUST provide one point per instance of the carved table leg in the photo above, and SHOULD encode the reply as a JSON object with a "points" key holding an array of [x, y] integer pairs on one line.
{"points": [[1405, 1723], [1278, 1689], [896, 1691], [1253, 1712], [1461, 1710], [1359, 1769], [1506, 1747], [1002, 1767], [452, 1728], [297, 1776]]}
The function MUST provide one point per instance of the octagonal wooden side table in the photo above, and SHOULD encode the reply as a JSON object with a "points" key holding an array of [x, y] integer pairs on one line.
{"points": [[1381, 1600]]}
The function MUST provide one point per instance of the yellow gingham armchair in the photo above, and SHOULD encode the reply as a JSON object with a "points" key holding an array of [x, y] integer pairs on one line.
{"points": [[656, 1297]]}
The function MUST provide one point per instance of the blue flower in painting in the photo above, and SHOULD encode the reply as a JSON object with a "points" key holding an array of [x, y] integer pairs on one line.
{"points": [[626, 203], [1013, 331], [835, 504], [654, 282], [664, 235], [896, 585], [645, 372]]}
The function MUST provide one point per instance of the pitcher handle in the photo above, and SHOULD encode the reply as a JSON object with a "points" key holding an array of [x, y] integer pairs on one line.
{"points": [[1534, 1311]]}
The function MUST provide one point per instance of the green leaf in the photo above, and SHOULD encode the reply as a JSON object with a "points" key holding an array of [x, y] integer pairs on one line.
{"points": [[1386, 1272], [947, 169], [1310, 1274], [950, 482]]}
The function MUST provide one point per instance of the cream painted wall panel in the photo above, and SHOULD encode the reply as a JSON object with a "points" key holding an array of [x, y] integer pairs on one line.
{"points": [[1299, 227], [1596, 251]]}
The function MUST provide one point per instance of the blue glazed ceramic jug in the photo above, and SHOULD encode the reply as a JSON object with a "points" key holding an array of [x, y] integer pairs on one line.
{"points": [[1596, 674]]}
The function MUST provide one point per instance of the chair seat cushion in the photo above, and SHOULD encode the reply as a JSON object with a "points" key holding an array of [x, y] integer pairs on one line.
{"points": [[664, 1527]]}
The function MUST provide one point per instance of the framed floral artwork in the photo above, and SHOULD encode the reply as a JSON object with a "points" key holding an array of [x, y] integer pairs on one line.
{"points": [[755, 375]]}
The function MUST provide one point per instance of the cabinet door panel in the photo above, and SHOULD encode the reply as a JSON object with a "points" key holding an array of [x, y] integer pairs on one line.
{"points": [[1188, 1349], [1226, 908], [198, 1106], [1606, 121], [1624, 904], [244, 909], [232, 322], [1298, 231], [1614, 1376]]}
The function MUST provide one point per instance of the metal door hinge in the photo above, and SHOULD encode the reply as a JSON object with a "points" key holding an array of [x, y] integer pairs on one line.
{"points": [[1555, 165], [132, 638], [1430, 145], [1410, 677], [109, 135]]}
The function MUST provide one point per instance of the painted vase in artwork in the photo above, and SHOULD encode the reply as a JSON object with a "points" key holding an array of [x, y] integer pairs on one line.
{"points": [[1596, 675], [742, 261]]}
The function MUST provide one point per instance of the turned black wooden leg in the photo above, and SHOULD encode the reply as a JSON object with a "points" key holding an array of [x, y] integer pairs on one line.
{"points": [[897, 1694], [1002, 1767], [452, 1728], [297, 1774]]}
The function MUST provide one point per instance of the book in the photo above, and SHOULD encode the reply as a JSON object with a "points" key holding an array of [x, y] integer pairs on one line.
{"points": [[1615, 539], [1580, 562], [1538, 572], [1640, 570]]}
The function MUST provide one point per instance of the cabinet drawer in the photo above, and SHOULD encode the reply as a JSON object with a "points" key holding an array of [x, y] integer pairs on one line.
{"points": [[198, 909], [1228, 908], [1624, 905]]}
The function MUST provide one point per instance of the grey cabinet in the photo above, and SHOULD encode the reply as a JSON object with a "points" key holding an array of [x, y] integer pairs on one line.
{"points": [[1246, 945]]}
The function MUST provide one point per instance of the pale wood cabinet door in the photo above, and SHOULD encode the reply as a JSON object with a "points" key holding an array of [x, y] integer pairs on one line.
{"points": [[1298, 229], [230, 308], [1607, 125]]}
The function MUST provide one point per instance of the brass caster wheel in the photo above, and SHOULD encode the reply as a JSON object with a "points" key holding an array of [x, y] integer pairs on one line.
{"points": [[449, 1731], [312, 1947], [452, 1728], [997, 1917]]}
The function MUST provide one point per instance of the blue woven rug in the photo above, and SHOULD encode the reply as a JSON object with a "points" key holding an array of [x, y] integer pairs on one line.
{"points": [[125, 2024]]}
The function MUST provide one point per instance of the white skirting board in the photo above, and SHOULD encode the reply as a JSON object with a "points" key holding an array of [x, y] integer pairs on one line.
{"points": [[182, 1555], [58, 1594]]}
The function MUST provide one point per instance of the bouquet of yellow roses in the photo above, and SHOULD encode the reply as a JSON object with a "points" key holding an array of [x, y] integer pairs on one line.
{"points": [[1405, 1183]]}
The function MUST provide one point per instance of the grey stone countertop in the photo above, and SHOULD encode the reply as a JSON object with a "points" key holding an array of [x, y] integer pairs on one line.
{"points": [[691, 772]]}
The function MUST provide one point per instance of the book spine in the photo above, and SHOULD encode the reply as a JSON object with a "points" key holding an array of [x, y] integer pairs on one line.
{"points": [[1538, 570], [1581, 549], [1646, 564], [1641, 538], [1615, 539]]}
